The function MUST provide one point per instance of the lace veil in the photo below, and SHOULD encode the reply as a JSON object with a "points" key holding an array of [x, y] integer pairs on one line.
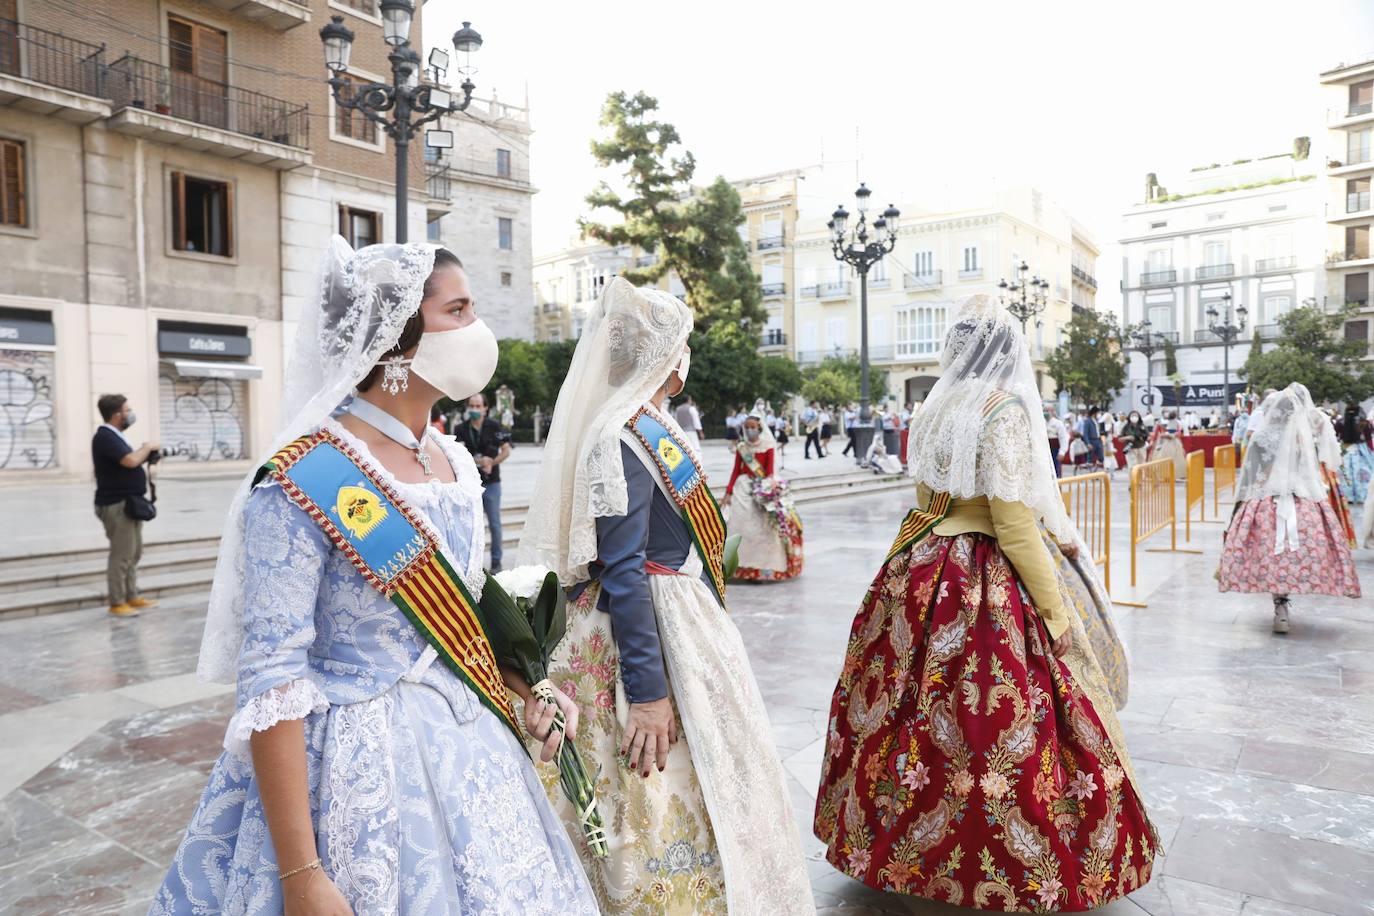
{"points": [[984, 354], [634, 339], [365, 299], [766, 438], [1323, 433], [1282, 457]]}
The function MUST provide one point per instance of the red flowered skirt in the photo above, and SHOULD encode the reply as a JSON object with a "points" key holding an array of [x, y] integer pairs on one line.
{"points": [[790, 532], [1321, 565], [963, 763]]}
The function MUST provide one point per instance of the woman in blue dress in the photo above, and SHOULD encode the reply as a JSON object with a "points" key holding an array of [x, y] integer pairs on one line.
{"points": [[361, 773]]}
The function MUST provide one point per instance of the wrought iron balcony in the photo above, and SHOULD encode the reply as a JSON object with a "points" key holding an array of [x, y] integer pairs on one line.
{"points": [[923, 281], [1350, 254], [1270, 331], [153, 100], [1082, 276], [773, 290], [770, 241], [1158, 277], [773, 338], [50, 59], [438, 181], [809, 292], [1265, 265], [1212, 271], [838, 289], [1362, 108], [503, 170]]}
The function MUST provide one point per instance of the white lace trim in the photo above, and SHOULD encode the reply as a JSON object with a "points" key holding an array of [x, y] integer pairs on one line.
{"points": [[295, 700]]}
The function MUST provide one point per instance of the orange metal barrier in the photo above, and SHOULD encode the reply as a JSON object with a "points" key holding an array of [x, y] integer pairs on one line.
{"points": [[1088, 501], [1195, 492], [1153, 505], [1223, 474]]}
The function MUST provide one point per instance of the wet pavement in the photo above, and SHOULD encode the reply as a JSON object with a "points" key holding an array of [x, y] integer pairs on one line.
{"points": [[1255, 753]]}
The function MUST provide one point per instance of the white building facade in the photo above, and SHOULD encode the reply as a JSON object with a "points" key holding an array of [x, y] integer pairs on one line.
{"points": [[1349, 210], [1252, 230]]}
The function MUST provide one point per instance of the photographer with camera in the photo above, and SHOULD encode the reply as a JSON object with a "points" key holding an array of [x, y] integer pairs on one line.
{"points": [[123, 500]]}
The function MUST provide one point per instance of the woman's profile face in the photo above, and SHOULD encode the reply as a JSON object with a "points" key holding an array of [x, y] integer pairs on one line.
{"points": [[449, 305]]}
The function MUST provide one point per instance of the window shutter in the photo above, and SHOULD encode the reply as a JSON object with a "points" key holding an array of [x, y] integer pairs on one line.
{"points": [[212, 52], [181, 42], [228, 219], [179, 211], [12, 190]]}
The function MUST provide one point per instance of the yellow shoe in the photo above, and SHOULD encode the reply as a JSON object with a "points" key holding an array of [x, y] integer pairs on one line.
{"points": [[142, 602], [123, 610]]}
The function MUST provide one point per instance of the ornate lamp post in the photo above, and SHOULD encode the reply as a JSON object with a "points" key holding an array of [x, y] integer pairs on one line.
{"points": [[1024, 298], [1220, 322], [412, 104], [855, 247], [1144, 340]]}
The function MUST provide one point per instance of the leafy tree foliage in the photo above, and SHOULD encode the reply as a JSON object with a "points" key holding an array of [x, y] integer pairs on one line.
{"points": [[850, 374], [1089, 364], [1313, 351], [727, 371], [694, 233]]}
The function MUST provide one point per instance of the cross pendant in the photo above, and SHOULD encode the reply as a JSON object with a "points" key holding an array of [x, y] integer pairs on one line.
{"points": [[423, 458]]}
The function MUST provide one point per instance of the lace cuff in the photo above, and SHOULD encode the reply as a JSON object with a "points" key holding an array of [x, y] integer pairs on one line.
{"points": [[294, 700]]}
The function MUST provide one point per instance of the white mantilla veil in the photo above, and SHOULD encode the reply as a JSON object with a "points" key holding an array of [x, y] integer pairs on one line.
{"points": [[985, 353], [365, 299], [633, 342]]}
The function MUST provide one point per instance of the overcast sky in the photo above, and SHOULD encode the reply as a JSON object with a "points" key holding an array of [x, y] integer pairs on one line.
{"points": [[930, 103]]}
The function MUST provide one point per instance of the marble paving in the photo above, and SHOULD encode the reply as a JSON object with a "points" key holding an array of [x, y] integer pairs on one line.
{"points": [[1255, 753]]}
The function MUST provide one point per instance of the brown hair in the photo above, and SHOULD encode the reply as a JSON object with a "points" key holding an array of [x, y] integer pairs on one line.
{"points": [[415, 325], [109, 405]]}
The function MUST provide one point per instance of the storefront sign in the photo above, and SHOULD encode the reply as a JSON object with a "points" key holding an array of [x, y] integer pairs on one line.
{"points": [[1191, 395], [202, 343], [26, 328]]}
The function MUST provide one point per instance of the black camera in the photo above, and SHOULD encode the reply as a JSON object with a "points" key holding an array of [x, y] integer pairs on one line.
{"points": [[154, 456]]}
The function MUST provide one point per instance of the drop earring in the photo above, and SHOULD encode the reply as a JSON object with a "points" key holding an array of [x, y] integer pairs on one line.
{"points": [[396, 375]]}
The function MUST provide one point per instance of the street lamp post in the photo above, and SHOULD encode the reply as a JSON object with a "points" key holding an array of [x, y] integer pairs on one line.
{"points": [[855, 248], [1024, 298], [406, 97], [1146, 342], [1221, 323]]}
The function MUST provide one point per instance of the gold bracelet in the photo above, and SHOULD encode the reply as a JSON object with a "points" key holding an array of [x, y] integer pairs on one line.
{"points": [[309, 866]]}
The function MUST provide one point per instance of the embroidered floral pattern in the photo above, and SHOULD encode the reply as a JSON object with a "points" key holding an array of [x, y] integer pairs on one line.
{"points": [[1321, 565], [963, 762]]}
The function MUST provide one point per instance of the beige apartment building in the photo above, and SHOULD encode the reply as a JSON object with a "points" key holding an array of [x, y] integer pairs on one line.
{"points": [[1349, 88], [939, 259], [171, 170]]}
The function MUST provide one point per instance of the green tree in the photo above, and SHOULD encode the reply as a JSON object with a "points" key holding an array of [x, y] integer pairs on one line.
{"points": [[522, 367], [1170, 358], [829, 385], [851, 371], [727, 371], [1089, 364], [1312, 350], [693, 233]]}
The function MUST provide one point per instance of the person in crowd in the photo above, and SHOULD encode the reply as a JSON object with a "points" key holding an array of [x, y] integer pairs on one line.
{"points": [[1091, 432], [779, 423], [879, 460], [1284, 537], [1257, 418], [1358, 462], [689, 419], [850, 417], [121, 502], [1058, 435], [507, 420], [489, 445], [1136, 436], [765, 517], [1150, 420], [970, 715], [1212, 422], [374, 763], [438, 420], [1167, 442], [1108, 426], [827, 429], [691, 789], [1328, 460], [811, 425], [732, 424]]}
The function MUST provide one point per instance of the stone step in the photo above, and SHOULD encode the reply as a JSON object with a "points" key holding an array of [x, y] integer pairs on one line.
{"points": [[90, 570], [74, 597], [151, 550]]}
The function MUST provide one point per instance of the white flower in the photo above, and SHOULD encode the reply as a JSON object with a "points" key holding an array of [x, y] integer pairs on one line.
{"points": [[522, 581]]}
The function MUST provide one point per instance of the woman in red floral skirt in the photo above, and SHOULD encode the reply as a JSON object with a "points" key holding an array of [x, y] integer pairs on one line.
{"points": [[974, 755]]}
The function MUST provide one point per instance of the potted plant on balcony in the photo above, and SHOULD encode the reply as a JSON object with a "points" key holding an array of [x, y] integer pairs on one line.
{"points": [[164, 99]]}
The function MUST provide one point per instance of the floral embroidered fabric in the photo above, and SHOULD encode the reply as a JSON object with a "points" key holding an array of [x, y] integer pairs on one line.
{"points": [[1322, 564]]}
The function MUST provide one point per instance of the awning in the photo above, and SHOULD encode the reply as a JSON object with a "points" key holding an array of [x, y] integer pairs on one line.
{"points": [[191, 368]]}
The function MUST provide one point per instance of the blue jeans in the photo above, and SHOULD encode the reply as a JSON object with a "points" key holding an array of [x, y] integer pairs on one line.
{"points": [[491, 505]]}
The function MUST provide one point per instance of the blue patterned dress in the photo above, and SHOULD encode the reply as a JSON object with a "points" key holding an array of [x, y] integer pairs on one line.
{"points": [[423, 801]]}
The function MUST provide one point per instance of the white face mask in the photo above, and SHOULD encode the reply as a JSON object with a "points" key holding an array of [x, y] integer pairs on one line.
{"points": [[683, 366], [459, 363]]}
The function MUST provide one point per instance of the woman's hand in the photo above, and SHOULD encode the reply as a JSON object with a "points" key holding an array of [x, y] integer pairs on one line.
{"points": [[539, 716], [1069, 550], [311, 894], [725, 500], [649, 733], [1060, 647]]}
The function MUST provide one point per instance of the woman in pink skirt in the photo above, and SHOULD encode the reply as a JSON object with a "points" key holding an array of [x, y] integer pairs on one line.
{"points": [[1284, 537]]}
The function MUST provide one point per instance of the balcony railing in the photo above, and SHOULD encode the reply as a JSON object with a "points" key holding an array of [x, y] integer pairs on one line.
{"points": [[1161, 336], [814, 356], [136, 83], [1270, 331], [879, 282], [772, 338], [836, 290], [970, 273], [770, 241], [1084, 277], [1212, 271], [771, 290], [551, 308], [1288, 262], [809, 292], [1363, 108], [438, 181], [1158, 277], [922, 281], [1350, 254], [1357, 202], [491, 168], [51, 58]]}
